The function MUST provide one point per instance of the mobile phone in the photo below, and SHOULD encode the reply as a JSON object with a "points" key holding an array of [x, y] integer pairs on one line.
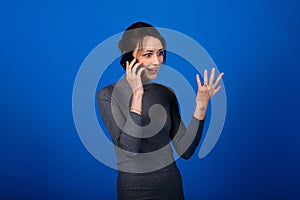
{"points": [[129, 57]]}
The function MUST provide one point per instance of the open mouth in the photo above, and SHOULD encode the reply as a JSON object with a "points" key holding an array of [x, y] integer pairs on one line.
{"points": [[153, 70]]}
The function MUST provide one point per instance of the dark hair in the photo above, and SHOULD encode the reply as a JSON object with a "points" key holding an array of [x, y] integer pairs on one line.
{"points": [[133, 38]]}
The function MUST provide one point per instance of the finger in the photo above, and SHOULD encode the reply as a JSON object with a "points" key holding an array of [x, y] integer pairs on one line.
{"points": [[135, 67], [127, 66], [218, 79], [131, 65], [205, 77], [198, 81], [128, 74], [216, 90], [140, 71], [132, 62], [212, 76]]}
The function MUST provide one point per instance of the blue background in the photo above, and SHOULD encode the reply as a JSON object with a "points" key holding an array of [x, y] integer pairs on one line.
{"points": [[255, 43]]}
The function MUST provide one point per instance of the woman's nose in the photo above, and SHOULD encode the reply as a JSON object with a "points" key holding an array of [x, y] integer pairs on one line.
{"points": [[155, 60]]}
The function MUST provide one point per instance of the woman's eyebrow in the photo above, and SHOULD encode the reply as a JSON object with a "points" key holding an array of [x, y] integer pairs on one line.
{"points": [[148, 51], [151, 51]]}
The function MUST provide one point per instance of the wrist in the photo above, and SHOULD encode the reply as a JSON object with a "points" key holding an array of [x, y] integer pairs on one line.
{"points": [[137, 94], [136, 104], [201, 105], [136, 111], [200, 112]]}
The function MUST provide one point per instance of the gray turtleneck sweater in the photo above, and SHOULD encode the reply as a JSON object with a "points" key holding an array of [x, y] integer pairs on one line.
{"points": [[146, 165]]}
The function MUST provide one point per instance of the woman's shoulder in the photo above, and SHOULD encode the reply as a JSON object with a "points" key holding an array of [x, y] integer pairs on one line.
{"points": [[105, 92], [118, 88]]}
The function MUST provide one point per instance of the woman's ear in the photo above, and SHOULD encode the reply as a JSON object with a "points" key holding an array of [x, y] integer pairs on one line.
{"points": [[135, 53]]}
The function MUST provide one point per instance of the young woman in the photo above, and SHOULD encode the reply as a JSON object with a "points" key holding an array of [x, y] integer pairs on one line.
{"points": [[143, 117]]}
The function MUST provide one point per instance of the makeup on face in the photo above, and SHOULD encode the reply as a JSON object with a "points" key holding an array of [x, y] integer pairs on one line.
{"points": [[151, 56]]}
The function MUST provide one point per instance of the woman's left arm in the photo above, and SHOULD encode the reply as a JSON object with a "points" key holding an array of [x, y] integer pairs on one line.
{"points": [[186, 140]]}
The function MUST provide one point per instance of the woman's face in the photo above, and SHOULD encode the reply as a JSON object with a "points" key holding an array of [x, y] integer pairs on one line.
{"points": [[151, 56]]}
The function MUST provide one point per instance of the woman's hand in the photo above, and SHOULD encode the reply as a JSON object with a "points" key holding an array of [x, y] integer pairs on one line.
{"points": [[205, 92], [135, 82], [134, 79]]}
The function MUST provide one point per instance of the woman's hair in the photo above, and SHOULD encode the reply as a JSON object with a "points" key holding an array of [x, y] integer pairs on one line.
{"points": [[133, 38]]}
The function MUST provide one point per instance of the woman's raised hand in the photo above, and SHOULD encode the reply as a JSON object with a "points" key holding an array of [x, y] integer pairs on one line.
{"points": [[205, 92], [133, 78]]}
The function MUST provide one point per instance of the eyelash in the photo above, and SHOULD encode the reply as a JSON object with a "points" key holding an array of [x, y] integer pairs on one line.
{"points": [[147, 55], [160, 53]]}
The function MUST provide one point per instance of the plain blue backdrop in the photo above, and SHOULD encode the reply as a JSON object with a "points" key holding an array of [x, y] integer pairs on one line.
{"points": [[255, 43]]}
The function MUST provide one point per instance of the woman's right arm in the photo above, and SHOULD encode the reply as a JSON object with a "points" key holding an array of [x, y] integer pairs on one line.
{"points": [[126, 133], [117, 124], [134, 80]]}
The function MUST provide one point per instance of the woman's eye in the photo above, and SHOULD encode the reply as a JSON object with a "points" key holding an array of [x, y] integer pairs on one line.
{"points": [[160, 53], [147, 55]]}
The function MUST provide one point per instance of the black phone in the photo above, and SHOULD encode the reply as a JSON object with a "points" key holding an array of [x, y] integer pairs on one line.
{"points": [[129, 57], [126, 57]]}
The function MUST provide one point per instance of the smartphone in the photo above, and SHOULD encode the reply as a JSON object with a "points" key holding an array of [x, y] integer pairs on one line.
{"points": [[129, 57]]}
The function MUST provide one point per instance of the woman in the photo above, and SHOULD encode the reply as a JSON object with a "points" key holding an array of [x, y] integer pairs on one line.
{"points": [[142, 118]]}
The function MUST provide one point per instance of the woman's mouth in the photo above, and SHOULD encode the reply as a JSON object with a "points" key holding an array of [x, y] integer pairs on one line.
{"points": [[152, 71]]}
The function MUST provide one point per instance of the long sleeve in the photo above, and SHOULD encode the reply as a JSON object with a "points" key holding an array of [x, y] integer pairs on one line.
{"points": [[185, 140], [119, 122]]}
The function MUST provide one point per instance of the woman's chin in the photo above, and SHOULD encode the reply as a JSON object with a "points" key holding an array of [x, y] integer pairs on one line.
{"points": [[151, 77]]}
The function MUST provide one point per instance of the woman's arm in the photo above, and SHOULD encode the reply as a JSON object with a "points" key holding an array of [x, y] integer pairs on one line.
{"points": [[117, 124], [134, 80], [126, 124], [186, 140]]}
